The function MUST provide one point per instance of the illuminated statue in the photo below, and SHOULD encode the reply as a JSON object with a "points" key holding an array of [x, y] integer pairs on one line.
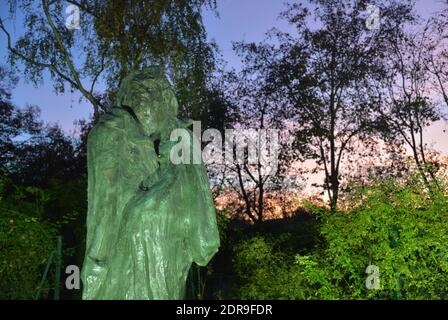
{"points": [[148, 219]]}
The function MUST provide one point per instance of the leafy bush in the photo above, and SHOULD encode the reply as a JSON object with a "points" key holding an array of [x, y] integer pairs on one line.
{"points": [[25, 245], [222, 221], [265, 272], [397, 227], [25, 242]]}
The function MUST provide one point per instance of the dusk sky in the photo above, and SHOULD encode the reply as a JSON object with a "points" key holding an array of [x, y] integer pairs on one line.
{"points": [[238, 20]]}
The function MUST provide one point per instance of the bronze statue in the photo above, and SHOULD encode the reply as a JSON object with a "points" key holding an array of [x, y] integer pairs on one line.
{"points": [[148, 219]]}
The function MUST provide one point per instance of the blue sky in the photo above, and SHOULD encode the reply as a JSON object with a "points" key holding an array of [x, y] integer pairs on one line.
{"points": [[238, 20]]}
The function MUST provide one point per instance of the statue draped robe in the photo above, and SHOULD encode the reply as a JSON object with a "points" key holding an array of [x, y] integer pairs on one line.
{"points": [[138, 249]]}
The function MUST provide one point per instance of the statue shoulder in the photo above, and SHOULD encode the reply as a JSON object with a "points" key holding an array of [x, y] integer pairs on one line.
{"points": [[112, 122], [109, 129]]}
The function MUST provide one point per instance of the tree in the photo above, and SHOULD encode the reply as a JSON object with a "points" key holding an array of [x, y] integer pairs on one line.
{"points": [[322, 75], [254, 180], [42, 188], [7, 82], [436, 60], [114, 38], [14, 122], [46, 156], [405, 107]]}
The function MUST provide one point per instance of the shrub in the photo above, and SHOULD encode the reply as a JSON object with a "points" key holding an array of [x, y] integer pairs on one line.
{"points": [[25, 244], [398, 227], [264, 272]]}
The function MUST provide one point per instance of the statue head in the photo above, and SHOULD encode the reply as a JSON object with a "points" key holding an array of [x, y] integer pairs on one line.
{"points": [[150, 96]]}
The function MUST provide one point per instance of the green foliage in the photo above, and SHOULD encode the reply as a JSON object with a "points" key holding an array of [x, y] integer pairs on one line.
{"points": [[43, 191], [398, 227], [128, 35], [222, 220], [265, 273], [25, 243], [315, 282]]}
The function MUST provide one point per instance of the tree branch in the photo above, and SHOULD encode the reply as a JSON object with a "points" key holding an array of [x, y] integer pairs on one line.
{"points": [[69, 61]]}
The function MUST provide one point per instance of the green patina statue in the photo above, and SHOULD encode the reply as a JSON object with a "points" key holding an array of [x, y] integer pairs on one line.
{"points": [[148, 219]]}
